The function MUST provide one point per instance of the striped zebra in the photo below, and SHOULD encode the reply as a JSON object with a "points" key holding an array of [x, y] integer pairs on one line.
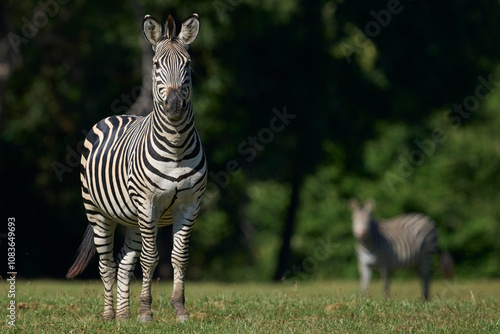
{"points": [[144, 173], [408, 241]]}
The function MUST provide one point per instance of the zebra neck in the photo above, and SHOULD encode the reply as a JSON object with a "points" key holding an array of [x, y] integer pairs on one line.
{"points": [[373, 237], [174, 138]]}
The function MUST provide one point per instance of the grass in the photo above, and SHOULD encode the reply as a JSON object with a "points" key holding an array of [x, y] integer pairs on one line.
{"points": [[46, 306]]}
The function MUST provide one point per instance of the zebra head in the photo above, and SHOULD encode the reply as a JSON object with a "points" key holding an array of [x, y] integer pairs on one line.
{"points": [[171, 71], [361, 218]]}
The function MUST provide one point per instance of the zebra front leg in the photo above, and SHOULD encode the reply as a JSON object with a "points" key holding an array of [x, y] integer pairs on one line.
{"points": [[365, 273], [149, 260], [104, 239], [384, 274], [127, 258], [179, 260]]}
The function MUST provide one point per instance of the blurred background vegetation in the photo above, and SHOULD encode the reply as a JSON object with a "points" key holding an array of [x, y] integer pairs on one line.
{"points": [[300, 104]]}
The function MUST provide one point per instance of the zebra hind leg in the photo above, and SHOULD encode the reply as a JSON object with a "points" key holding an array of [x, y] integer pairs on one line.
{"points": [[126, 264], [425, 274], [104, 239]]}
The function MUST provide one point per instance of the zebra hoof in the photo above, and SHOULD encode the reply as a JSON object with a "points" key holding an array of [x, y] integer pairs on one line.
{"points": [[108, 317], [123, 317], [182, 317], [145, 317]]}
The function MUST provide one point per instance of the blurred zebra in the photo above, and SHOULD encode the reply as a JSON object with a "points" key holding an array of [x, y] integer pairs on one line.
{"points": [[407, 241], [144, 173]]}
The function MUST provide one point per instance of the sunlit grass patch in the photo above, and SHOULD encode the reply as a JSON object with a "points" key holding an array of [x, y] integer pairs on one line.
{"points": [[45, 306]]}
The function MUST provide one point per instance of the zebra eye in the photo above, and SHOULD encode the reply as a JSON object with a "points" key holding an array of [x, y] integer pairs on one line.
{"points": [[157, 64], [188, 64]]}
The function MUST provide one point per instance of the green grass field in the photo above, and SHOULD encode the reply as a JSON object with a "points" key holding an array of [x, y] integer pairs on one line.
{"points": [[45, 306]]}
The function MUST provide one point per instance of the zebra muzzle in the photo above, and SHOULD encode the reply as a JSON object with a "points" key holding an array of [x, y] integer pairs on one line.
{"points": [[360, 234], [175, 105]]}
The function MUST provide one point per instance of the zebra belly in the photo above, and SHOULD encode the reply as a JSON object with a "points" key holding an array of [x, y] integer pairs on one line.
{"points": [[400, 258], [112, 199]]}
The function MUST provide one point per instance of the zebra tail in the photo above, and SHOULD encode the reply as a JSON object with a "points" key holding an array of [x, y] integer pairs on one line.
{"points": [[85, 253], [447, 265]]}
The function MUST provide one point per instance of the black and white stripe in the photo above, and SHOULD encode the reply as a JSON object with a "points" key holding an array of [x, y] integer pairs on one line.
{"points": [[144, 173], [408, 241]]}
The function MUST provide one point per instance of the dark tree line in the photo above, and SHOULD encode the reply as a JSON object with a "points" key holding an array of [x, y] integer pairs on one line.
{"points": [[301, 105]]}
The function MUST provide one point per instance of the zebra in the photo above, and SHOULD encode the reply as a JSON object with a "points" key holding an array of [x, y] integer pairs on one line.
{"points": [[407, 241], [145, 172]]}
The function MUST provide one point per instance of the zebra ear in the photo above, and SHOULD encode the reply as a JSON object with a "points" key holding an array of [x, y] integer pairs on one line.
{"points": [[170, 27], [190, 29], [151, 30], [353, 204], [370, 204]]}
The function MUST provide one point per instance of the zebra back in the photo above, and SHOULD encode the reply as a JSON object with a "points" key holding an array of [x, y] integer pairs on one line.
{"points": [[410, 238]]}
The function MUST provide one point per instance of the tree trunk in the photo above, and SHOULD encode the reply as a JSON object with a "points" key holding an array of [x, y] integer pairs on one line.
{"points": [[284, 256], [144, 103]]}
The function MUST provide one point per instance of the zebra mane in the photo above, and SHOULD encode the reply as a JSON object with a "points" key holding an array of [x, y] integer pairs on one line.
{"points": [[170, 27]]}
